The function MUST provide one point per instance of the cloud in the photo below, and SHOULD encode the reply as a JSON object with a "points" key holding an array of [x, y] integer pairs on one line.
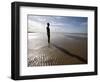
{"points": [[38, 23], [34, 26]]}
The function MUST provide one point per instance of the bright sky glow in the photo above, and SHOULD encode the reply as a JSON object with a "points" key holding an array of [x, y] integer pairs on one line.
{"points": [[38, 23]]}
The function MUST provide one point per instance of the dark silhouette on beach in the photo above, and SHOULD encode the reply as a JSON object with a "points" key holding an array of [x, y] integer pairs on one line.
{"points": [[48, 32]]}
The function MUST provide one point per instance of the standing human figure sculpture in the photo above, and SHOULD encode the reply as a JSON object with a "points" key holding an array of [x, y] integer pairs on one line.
{"points": [[48, 33]]}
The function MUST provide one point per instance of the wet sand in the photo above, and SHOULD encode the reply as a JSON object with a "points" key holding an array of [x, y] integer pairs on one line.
{"points": [[65, 49]]}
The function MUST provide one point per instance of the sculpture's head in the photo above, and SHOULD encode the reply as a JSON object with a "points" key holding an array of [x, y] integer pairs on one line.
{"points": [[48, 24]]}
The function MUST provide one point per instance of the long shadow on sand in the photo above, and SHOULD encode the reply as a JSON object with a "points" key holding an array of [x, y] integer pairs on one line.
{"points": [[70, 54]]}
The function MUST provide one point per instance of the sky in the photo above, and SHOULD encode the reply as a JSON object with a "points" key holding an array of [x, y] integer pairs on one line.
{"points": [[38, 23]]}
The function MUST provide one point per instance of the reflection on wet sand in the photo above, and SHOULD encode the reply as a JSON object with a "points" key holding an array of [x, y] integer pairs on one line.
{"points": [[65, 49]]}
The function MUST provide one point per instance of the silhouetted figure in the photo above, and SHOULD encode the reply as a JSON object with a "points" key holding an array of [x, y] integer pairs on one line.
{"points": [[48, 33]]}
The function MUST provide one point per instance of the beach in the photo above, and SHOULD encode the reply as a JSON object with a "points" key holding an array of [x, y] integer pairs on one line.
{"points": [[64, 49]]}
